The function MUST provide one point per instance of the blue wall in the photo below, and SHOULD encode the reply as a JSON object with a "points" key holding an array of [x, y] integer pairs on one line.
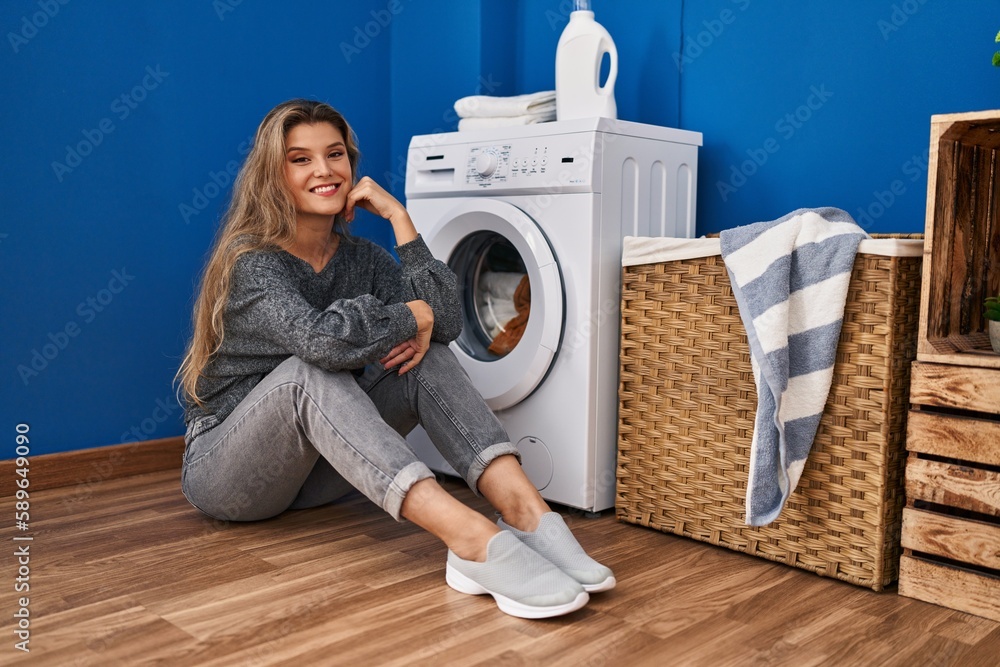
{"points": [[859, 80], [99, 262], [100, 258]]}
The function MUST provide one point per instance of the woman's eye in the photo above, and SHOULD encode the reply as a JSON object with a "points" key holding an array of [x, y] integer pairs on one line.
{"points": [[336, 154], [299, 159]]}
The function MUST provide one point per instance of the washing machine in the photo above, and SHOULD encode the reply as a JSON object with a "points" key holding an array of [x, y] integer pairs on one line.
{"points": [[531, 220]]}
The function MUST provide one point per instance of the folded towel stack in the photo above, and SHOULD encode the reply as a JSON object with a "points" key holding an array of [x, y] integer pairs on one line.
{"points": [[790, 279], [482, 111]]}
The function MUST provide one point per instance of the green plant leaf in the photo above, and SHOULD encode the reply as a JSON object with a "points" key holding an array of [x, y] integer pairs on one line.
{"points": [[996, 59], [992, 308], [998, 37]]}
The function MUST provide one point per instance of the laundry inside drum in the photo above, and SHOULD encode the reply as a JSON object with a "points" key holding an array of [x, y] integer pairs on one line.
{"points": [[496, 295]]}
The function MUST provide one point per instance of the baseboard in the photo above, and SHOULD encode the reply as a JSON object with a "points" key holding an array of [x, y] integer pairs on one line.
{"points": [[90, 466]]}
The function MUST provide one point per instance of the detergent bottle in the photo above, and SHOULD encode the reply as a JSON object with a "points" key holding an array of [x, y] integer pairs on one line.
{"points": [[581, 48]]}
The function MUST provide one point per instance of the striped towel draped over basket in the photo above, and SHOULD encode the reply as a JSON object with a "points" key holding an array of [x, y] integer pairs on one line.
{"points": [[790, 279]]}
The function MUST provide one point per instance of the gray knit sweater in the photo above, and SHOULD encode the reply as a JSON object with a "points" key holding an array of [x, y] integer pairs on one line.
{"points": [[346, 316]]}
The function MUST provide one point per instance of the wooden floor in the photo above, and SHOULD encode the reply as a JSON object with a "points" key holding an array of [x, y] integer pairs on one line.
{"points": [[127, 573]]}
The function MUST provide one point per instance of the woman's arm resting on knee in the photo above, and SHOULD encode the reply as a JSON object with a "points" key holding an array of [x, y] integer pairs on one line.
{"points": [[266, 309], [421, 277], [409, 353]]}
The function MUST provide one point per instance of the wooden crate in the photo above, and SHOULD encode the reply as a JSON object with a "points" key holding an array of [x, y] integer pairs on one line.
{"points": [[962, 239], [951, 522]]}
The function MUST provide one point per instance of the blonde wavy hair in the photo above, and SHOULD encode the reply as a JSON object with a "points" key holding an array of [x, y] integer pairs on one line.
{"points": [[261, 216]]}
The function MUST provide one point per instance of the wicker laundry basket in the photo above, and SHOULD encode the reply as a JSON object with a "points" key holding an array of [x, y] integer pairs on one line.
{"points": [[688, 401]]}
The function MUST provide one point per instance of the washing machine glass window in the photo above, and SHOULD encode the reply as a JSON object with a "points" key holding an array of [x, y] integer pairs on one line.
{"points": [[503, 381], [496, 294]]}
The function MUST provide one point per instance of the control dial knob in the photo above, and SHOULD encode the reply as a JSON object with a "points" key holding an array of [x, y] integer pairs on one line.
{"points": [[486, 164]]}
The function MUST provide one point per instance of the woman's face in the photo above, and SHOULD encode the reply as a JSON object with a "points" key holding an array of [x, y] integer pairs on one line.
{"points": [[317, 170]]}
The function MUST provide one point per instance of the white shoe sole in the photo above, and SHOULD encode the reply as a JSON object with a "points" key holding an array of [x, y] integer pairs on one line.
{"points": [[605, 585], [464, 584]]}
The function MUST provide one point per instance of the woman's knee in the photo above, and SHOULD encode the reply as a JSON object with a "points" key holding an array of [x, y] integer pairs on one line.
{"points": [[440, 357], [301, 372]]}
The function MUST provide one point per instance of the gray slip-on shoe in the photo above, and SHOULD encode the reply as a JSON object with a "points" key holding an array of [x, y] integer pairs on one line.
{"points": [[554, 541], [521, 582]]}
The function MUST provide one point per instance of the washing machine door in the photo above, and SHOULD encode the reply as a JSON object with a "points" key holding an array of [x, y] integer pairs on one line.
{"points": [[512, 297]]}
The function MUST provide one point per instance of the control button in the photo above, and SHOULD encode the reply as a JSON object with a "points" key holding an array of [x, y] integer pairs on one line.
{"points": [[545, 161], [534, 161], [486, 164]]}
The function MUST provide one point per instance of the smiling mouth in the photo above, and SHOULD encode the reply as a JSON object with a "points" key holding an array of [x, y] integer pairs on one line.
{"points": [[324, 189]]}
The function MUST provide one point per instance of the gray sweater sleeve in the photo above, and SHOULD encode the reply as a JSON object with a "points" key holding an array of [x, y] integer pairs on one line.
{"points": [[349, 333], [421, 276]]}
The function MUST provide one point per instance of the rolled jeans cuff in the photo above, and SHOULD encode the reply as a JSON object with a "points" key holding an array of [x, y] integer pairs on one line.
{"points": [[484, 458], [400, 486]]}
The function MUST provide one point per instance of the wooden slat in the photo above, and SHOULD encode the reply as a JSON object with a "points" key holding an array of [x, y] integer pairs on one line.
{"points": [[966, 540], [937, 277], [984, 132], [86, 467], [964, 388], [924, 330], [958, 486], [979, 358], [947, 120], [950, 587], [984, 184], [952, 436], [981, 197], [991, 267], [954, 270]]}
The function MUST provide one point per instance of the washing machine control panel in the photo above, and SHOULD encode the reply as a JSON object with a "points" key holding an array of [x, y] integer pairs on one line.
{"points": [[550, 163], [487, 165], [496, 164]]}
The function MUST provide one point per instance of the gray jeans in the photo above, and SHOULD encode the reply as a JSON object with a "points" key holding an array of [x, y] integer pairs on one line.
{"points": [[304, 436]]}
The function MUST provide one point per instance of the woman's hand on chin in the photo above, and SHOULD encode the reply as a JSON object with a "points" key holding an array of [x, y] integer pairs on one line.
{"points": [[372, 197]]}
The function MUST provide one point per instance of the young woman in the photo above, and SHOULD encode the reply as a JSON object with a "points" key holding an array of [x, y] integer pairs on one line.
{"points": [[314, 353]]}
